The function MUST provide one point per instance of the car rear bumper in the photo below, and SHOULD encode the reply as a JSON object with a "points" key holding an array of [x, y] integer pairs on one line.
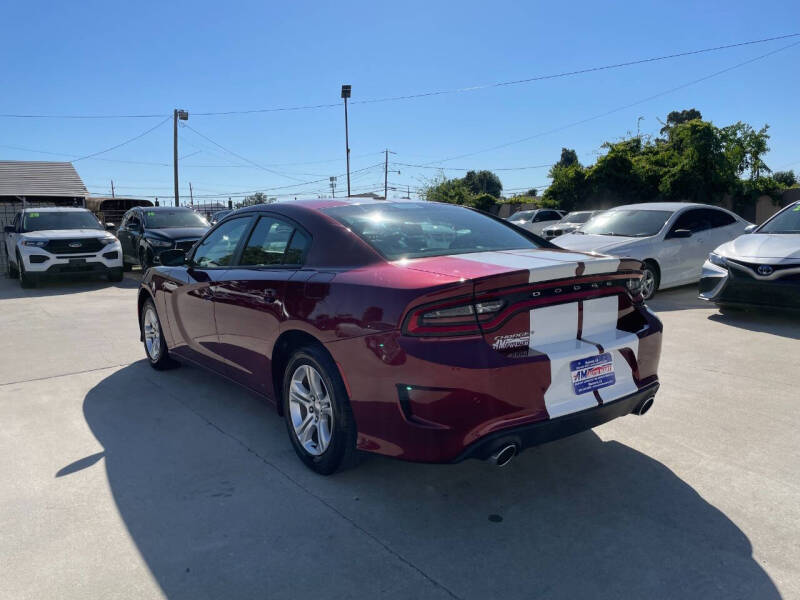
{"points": [[534, 434], [430, 400]]}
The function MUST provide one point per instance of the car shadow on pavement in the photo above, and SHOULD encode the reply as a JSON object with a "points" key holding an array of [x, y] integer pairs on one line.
{"points": [[766, 320], [10, 288], [218, 505], [680, 298]]}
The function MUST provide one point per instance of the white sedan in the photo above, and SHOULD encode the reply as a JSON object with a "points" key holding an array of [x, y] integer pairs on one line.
{"points": [[673, 239], [536, 220]]}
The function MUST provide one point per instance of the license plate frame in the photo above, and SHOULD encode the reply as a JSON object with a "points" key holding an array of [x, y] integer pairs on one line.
{"points": [[592, 373]]}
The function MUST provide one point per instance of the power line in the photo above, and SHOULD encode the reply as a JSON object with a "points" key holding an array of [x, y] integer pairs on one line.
{"points": [[472, 88], [618, 109], [128, 141], [429, 166], [239, 156]]}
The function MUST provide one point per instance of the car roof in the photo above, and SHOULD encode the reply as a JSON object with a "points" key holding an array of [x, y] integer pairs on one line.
{"points": [[56, 209], [160, 208], [670, 206]]}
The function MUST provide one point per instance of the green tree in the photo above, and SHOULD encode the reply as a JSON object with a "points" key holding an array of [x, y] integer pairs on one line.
{"points": [[568, 189], [451, 191], [532, 192], [483, 182], [483, 202], [786, 178], [676, 117]]}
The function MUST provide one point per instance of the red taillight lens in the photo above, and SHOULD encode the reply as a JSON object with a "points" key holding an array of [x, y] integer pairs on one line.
{"points": [[451, 319]]}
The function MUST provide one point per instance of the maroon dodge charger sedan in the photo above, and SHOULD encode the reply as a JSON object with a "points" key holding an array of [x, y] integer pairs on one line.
{"points": [[427, 332]]}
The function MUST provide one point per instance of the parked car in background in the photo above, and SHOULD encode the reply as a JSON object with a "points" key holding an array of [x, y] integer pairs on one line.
{"points": [[672, 239], [146, 232], [761, 267], [372, 330], [219, 215], [60, 241], [569, 223], [536, 220]]}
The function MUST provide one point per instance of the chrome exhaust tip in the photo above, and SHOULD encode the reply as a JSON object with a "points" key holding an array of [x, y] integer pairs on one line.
{"points": [[644, 406], [503, 455]]}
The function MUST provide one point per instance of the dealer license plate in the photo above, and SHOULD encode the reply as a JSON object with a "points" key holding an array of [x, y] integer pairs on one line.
{"points": [[592, 373], [77, 261]]}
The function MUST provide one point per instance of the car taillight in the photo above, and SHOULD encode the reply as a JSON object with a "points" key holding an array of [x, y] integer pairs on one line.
{"points": [[451, 319]]}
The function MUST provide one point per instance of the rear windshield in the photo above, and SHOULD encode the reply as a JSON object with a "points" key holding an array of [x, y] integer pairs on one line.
{"points": [[164, 219], [417, 229], [786, 222], [42, 221], [629, 223], [523, 215]]}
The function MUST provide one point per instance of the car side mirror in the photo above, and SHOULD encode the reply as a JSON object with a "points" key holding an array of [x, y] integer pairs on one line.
{"points": [[173, 258], [750, 228], [680, 233], [9, 229]]}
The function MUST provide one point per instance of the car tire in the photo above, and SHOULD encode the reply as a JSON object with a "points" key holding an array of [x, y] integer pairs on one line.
{"points": [[317, 412], [650, 280], [155, 346], [11, 270], [26, 280], [115, 275]]}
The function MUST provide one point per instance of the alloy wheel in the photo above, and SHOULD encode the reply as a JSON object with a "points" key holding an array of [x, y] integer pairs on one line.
{"points": [[152, 334], [310, 410], [648, 284]]}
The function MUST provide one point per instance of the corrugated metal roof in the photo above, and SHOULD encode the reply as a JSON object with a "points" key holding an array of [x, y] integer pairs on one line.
{"points": [[40, 178]]}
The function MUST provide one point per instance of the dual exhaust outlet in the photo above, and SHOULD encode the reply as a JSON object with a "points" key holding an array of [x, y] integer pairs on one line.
{"points": [[506, 452]]}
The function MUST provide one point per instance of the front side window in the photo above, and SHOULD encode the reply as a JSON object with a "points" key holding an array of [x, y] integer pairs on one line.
{"points": [[628, 223], [418, 229], [271, 243], [165, 219], [219, 246], [787, 221], [45, 220]]}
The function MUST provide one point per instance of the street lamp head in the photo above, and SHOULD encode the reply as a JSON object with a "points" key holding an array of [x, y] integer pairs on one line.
{"points": [[183, 115], [346, 91]]}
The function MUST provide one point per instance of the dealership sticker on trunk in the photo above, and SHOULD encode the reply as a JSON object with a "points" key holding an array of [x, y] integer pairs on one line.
{"points": [[592, 373]]}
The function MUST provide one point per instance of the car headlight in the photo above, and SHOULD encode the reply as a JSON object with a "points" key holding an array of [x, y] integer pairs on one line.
{"points": [[159, 243], [108, 241], [35, 243], [716, 259]]}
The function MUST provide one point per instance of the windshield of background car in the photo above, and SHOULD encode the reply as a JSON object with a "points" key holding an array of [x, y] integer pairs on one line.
{"points": [[786, 222], [416, 230], [629, 223], [41, 221], [164, 219], [577, 217], [524, 215]]}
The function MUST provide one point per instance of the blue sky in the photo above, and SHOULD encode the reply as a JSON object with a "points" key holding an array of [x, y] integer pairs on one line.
{"points": [[89, 58]]}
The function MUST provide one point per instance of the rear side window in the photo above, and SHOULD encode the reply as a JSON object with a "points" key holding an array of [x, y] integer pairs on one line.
{"points": [[274, 242], [719, 218], [695, 220], [417, 229]]}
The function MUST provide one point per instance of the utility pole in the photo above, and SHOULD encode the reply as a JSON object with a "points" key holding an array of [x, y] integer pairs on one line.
{"points": [[112, 188], [346, 90], [183, 115], [386, 174], [191, 194]]}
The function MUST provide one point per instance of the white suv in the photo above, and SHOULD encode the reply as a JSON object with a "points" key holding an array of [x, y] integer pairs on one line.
{"points": [[60, 241]]}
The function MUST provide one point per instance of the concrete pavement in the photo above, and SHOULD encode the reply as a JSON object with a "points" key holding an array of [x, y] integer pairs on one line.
{"points": [[122, 482]]}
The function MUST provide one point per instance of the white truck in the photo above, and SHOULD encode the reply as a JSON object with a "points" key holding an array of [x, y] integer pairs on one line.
{"points": [[55, 241]]}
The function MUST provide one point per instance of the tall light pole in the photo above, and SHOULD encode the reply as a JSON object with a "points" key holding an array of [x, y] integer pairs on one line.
{"points": [[345, 95], [183, 115]]}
